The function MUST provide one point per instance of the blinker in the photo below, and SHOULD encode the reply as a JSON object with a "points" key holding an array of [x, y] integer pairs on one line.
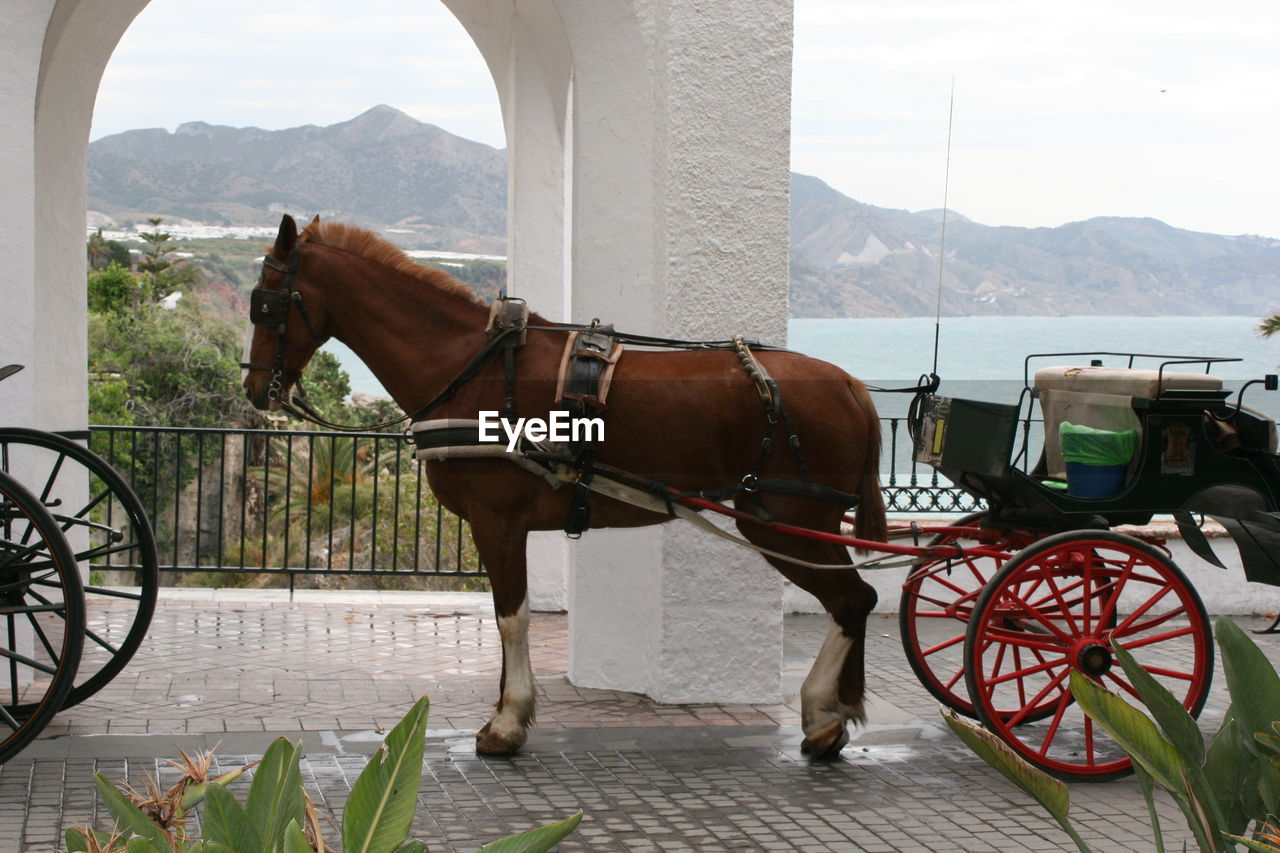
{"points": [[268, 307]]}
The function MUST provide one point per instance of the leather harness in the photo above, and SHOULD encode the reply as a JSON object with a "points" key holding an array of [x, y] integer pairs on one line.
{"points": [[586, 369]]}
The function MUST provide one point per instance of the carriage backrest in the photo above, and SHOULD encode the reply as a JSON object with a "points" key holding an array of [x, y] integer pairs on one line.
{"points": [[1102, 398]]}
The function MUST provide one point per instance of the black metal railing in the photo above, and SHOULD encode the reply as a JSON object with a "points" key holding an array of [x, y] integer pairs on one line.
{"points": [[287, 502], [318, 503]]}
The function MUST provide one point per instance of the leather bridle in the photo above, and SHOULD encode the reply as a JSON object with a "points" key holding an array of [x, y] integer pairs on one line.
{"points": [[271, 308]]}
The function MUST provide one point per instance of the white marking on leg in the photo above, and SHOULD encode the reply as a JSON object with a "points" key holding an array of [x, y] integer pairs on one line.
{"points": [[518, 692], [820, 694]]}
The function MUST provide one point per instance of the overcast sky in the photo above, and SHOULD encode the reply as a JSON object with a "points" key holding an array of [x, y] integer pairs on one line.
{"points": [[1168, 109]]}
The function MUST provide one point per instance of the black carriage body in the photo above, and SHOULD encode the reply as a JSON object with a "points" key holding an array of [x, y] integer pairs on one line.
{"points": [[1197, 453]]}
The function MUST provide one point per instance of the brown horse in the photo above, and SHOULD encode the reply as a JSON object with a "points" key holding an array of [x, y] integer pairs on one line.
{"points": [[689, 418]]}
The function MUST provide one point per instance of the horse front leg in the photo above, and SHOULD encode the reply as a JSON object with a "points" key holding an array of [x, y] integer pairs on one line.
{"points": [[503, 554]]}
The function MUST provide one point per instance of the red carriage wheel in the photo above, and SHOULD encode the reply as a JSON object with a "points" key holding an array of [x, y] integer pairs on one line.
{"points": [[933, 613], [1062, 603]]}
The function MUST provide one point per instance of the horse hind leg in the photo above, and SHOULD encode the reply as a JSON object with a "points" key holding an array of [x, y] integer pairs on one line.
{"points": [[513, 714], [834, 692]]}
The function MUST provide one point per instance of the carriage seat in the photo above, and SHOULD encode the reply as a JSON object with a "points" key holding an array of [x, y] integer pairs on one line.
{"points": [[1126, 382], [1102, 398]]}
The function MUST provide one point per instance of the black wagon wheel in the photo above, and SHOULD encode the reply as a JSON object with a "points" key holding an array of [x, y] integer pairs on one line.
{"points": [[110, 536], [937, 598], [41, 617], [1062, 604]]}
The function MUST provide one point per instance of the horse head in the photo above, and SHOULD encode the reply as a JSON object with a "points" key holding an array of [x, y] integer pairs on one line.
{"points": [[287, 327]]}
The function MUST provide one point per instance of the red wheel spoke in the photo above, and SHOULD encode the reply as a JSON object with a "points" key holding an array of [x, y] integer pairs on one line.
{"points": [[1026, 640], [1038, 616], [1088, 741], [1124, 685], [1065, 610], [959, 638], [947, 583], [1023, 673], [1064, 699], [1064, 702], [1109, 611], [1128, 621], [1170, 673], [1151, 623]]}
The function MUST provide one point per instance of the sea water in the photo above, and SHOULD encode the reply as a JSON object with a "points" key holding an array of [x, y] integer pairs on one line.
{"points": [[984, 358]]}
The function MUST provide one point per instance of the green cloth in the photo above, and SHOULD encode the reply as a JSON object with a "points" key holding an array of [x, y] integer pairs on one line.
{"points": [[1096, 446]]}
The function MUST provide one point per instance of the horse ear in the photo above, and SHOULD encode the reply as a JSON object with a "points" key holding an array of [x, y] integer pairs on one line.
{"points": [[315, 220], [286, 237]]}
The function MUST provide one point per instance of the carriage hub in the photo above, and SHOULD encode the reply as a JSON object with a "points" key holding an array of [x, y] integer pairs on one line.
{"points": [[1092, 657]]}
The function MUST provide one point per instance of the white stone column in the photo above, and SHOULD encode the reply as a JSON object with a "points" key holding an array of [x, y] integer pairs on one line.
{"points": [[21, 39], [527, 54], [680, 192]]}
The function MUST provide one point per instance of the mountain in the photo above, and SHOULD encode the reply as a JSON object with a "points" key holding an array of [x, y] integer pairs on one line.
{"points": [[380, 169], [386, 170], [850, 259]]}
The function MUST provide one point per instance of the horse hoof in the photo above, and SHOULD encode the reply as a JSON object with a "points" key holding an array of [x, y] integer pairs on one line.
{"points": [[489, 742], [826, 742]]}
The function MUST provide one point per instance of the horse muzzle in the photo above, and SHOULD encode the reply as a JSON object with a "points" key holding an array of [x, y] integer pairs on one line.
{"points": [[258, 391]]}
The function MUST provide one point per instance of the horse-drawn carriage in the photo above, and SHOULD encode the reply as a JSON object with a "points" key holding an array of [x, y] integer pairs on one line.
{"points": [[996, 609], [1063, 564], [66, 628]]}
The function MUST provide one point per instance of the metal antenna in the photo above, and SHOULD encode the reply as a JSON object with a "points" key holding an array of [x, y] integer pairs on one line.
{"points": [[942, 247]]}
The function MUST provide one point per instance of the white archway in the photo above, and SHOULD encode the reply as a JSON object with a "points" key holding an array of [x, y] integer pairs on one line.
{"points": [[649, 186]]}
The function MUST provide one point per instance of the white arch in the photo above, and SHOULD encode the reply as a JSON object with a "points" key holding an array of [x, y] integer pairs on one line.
{"points": [[649, 185]]}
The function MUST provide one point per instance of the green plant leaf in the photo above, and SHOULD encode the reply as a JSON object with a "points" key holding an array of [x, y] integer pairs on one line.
{"points": [[129, 818], [1269, 742], [138, 844], [1232, 774], [1047, 791], [193, 794], [1148, 793], [380, 809], [1269, 786], [1132, 729], [224, 820], [413, 847], [1260, 846], [1181, 729], [1251, 679], [535, 840], [76, 840], [275, 794], [295, 840], [1174, 721]]}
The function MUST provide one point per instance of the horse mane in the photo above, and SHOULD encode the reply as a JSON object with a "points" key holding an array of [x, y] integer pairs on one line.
{"points": [[368, 245]]}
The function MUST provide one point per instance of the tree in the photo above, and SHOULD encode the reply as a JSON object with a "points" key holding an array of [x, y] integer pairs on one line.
{"points": [[1270, 325], [103, 252], [179, 367], [161, 275], [112, 290]]}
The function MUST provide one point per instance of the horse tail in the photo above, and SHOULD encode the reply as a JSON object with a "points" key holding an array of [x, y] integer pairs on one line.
{"points": [[870, 520]]}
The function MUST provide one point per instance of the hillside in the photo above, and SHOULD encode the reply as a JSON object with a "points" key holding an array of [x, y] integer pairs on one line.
{"points": [[850, 259], [386, 170], [381, 169]]}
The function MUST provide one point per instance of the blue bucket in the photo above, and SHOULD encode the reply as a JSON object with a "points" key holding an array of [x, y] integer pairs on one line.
{"points": [[1094, 481]]}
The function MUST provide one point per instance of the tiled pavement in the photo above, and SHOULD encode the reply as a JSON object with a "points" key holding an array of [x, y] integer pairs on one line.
{"points": [[242, 669]]}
